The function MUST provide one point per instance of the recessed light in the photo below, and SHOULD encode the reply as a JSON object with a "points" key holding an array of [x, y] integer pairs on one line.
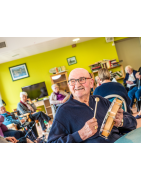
{"points": [[77, 39]]}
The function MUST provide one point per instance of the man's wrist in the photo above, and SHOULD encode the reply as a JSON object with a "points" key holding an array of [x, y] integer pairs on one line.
{"points": [[82, 134]]}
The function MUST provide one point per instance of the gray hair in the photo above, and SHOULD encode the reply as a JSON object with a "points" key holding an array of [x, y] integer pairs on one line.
{"points": [[128, 67], [23, 93], [2, 105], [52, 87]]}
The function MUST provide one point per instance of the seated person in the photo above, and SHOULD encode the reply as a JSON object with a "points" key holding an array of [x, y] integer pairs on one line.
{"points": [[136, 91], [130, 78], [108, 88], [14, 140], [58, 97], [8, 119], [74, 121], [98, 81], [5, 132], [24, 107]]}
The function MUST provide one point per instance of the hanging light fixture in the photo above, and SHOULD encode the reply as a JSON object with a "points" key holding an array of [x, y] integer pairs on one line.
{"points": [[56, 77]]}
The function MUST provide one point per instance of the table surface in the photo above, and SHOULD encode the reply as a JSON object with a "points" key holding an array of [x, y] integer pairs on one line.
{"points": [[132, 137]]}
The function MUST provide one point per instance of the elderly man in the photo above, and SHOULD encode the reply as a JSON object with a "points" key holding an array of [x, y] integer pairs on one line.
{"points": [[24, 107], [74, 121]]}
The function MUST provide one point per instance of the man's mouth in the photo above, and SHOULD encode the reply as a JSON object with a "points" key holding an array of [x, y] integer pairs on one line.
{"points": [[79, 89]]}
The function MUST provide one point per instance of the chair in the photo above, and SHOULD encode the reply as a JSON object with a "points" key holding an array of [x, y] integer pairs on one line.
{"points": [[113, 96]]}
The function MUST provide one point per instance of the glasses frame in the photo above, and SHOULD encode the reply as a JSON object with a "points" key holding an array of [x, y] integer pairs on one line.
{"points": [[78, 80]]}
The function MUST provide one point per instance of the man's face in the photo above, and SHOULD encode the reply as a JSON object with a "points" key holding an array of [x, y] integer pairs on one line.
{"points": [[24, 98], [2, 110], [80, 90]]}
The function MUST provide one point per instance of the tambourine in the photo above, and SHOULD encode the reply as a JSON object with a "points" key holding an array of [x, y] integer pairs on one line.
{"points": [[108, 122]]}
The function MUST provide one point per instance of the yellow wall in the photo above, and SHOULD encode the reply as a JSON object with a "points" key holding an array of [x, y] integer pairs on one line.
{"points": [[38, 66]]}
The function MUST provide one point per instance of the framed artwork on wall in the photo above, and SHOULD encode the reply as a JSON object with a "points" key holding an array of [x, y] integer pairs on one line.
{"points": [[71, 60], [18, 72]]}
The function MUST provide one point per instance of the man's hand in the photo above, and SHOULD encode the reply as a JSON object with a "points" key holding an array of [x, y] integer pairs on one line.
{"points": [[89, 129], [118, 118], [11, 139], [28, 99]]}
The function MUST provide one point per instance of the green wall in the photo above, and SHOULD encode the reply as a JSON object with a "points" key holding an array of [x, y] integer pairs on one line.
{"points": [[39, 65]]}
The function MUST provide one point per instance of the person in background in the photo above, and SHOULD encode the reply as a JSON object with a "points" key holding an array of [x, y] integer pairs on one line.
{"points": [[58, 97], [136, 91], [130, 78], [98, 81], [108, 88], [5, 132], [24, 107], [8, 119], [74, 121]]}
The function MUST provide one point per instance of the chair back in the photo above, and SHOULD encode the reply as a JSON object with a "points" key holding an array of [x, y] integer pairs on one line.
{"points": [[111, 97]]}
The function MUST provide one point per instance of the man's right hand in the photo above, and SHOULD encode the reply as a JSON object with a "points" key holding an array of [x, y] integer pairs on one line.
{"points": [[89, 129]]}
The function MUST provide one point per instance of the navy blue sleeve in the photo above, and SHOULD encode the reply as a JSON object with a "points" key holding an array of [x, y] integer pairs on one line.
{"points": [[129, 121], [59, 134]]}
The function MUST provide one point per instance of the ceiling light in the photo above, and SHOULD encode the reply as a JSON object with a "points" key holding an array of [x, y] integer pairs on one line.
{"points": [[77, 39], [56, 77]]}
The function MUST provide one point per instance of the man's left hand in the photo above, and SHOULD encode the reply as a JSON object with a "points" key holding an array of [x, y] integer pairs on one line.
{"points": [[118, 118]]}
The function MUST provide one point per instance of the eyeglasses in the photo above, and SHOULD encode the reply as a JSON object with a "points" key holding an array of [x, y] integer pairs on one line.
{"points": [[81, 80]]}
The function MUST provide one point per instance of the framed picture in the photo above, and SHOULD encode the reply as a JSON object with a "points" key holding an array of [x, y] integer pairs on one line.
{"points": [[71, 60], [19, 72]]}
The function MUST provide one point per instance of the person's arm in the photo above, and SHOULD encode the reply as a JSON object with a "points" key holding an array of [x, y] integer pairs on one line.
{"points": [[65, 94], [59, 134], [129, 121], [53, 100]]}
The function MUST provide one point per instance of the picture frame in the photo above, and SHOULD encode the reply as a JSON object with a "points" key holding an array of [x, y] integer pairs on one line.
{"points": [[71, 60], [19, 72]]}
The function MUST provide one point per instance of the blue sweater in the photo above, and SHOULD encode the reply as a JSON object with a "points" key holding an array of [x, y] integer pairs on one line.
{"points": [[110, 88], [72, 116]]}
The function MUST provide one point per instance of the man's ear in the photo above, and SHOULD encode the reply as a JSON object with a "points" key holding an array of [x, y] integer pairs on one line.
{"points": [[92, 83]]}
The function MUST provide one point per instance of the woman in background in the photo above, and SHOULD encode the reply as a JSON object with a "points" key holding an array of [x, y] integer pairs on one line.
{"points": [[58, 97], [130, 78]]}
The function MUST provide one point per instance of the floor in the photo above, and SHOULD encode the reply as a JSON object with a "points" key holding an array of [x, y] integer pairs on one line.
{"points": [[134, 109]]}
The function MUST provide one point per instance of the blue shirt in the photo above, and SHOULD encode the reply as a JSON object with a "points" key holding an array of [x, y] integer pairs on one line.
{"points": [[9, 120], [72, 116]]}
